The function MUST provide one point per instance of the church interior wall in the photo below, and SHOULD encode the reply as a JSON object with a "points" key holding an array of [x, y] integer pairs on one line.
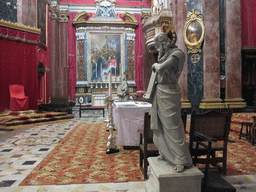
{"points": [[26, 13]]}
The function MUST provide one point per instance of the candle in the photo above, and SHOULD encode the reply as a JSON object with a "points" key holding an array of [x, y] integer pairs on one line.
{"points": [[110, 85]]}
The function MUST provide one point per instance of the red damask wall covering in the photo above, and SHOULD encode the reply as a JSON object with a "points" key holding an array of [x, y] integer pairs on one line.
{"points": [[248, 11]]}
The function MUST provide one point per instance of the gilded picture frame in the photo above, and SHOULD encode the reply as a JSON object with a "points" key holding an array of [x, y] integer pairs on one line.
{"points": [[105, 54], [194, 32]]}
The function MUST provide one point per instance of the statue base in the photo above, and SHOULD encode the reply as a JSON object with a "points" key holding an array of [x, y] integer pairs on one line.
{"points": [[163, 178]]}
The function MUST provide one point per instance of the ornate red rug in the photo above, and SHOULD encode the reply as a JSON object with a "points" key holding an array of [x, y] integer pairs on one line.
{"points": [[81, 158], [241, 156]]}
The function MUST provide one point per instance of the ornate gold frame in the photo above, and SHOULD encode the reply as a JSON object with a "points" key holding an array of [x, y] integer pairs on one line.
{"points": [[21, 27], [194, 47], [81, 20], [169, 29]]}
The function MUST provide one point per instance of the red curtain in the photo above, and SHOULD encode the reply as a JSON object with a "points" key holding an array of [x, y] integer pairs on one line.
{"points": [[19, 35], [248, 13], [18, 66], [139, 54], [72, 57]]}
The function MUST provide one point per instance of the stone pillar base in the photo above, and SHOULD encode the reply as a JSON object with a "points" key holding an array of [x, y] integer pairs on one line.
{"points": [[235, 103], [185, 104], [212, 104], [163, 178]]}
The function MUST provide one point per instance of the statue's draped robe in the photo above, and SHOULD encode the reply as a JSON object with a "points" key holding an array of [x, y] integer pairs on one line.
{"points": [[166, 122]]}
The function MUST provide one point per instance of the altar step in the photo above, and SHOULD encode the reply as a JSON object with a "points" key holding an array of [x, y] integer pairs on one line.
{"points": [[12, 118]]}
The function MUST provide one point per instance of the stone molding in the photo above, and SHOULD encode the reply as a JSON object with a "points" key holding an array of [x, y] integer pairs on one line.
{"points": [[54, 12], [63, 16], [60, 15]]}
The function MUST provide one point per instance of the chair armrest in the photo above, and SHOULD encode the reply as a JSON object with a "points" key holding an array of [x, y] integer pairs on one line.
{"points": [[204, 137]]}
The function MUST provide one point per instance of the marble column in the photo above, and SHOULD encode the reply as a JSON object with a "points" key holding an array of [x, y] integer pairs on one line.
{"points": [[233, 55], [63, 54], [53, 50], [211, 59], [180, 12]]}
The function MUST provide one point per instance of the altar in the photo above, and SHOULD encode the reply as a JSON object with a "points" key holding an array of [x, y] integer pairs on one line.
{"points": [[128, 119]]}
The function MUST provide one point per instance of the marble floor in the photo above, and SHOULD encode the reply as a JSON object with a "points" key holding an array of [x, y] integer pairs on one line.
{"points": [[22, 150]]}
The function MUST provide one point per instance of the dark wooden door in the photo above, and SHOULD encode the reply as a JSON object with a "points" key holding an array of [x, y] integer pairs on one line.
{"points": [[249, 76]]}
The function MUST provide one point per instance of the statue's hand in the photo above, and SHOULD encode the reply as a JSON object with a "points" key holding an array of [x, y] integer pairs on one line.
{"points": [[145, 97], [155, 67]]}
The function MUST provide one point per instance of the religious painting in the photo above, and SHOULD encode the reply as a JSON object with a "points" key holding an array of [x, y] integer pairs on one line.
{"points": [[105, 56], [194, 32], [41, 20]]}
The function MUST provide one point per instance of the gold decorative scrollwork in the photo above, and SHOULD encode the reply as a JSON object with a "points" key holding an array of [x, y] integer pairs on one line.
{"points": [[81, 17], [130, 18], [168, 28], [194, 32], [21, 27]]}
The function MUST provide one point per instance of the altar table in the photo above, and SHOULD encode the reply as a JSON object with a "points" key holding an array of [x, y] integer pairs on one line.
{"points": [[128, 119]]}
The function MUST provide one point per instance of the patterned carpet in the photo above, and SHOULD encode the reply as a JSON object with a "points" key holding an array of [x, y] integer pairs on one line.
{"points": [[241, 156], [81, 158]]}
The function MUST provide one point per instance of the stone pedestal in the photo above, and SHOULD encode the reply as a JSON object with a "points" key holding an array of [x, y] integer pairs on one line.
{"points": [[163, 178]]}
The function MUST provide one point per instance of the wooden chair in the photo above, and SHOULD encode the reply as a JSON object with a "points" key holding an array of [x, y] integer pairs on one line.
{"points": [[214, 126], [211, 182], [147, 147]]}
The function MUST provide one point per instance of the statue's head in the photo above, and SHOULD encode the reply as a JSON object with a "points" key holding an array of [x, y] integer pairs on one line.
{"points": [[163, 43]]}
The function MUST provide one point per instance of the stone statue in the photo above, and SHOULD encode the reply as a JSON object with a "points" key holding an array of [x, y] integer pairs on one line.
{"points": [[123, 89], [165, 95]]}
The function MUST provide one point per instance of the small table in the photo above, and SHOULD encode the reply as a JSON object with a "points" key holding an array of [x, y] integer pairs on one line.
{"points": [[83, 108], [129, 119]]}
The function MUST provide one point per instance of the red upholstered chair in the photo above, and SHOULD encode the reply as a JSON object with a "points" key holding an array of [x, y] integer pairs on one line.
{"points": [[18, 100]]}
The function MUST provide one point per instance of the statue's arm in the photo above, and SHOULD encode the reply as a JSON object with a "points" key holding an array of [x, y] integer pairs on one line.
{"points": [[168, 63]]}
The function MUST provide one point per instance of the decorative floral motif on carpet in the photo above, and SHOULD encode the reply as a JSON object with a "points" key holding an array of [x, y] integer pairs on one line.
{"points": [[81, 158], [241, 156]]}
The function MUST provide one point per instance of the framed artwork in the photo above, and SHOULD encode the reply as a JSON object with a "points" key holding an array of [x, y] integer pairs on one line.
{"points": [[105, 56], [194, 32]]}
